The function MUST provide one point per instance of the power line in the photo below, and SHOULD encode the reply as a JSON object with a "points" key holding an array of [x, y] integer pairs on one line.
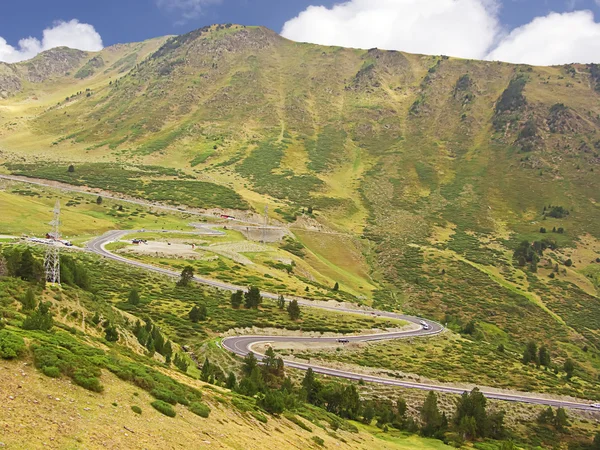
{"points": [[52, 259]]}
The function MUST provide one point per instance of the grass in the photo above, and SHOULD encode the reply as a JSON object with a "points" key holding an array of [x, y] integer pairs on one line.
{"points": [[28, 210], [137, 183]]}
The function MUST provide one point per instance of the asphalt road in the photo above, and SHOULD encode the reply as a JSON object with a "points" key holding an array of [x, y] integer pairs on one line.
{"points": [[242, 345]]}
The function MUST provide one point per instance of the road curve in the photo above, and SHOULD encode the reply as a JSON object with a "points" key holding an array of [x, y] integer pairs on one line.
{"points": [[242, 345]]}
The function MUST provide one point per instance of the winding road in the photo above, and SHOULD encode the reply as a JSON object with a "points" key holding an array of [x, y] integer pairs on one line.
{"points": [[242, 345]]}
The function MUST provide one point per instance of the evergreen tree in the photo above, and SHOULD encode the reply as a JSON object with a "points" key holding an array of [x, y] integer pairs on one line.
{"points": [[281, 302], [29, 302], [71, 168], [253, 298], [250, 362], [195, 314], [569, 367], [294, 310], [272, 402], [187, 274], [336, 287], [530, 353], [236, 299], [402, 408], [29, 269], [561, 420], [205, 372], [311, 387], [472, 406], [134, 298], [40, 319], [180, 363], [111, 334], [544, 356], [231, 382], [99, 200], [431, 417], [168, 352], [546, 416], [596, 443]]}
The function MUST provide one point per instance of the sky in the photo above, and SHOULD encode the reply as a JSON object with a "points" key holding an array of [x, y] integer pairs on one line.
{"points": [[540, 32]]}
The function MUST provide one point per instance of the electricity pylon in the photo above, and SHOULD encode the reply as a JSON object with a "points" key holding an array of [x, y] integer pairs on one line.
{"points": [[52, 259], [264, 230]]}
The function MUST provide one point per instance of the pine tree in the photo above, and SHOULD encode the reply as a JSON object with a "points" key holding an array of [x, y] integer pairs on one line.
{"points": [[168, 352], [569, 367], [71, 168], [110, 333], [596, 443], [281, 302], [561, 420], [431, 417], [29, 302], [237, 299], [187, 274], [250, 362], [40, 319], [99, 200], [231, 382], [544, 356], [205, 372], [195, 314], [311, 387], [294, 310], [253, 298], [530, 353], [134, 298], [336, 287], [180, 363]]}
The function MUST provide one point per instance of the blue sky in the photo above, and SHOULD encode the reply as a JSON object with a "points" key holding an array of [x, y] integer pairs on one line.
{"points": [[135, 20], [467, 28]]}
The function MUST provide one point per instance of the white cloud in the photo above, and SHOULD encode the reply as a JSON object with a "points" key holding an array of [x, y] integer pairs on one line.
{"points": [[463, 28], [189, 9], [553, 39], [71, 34]]}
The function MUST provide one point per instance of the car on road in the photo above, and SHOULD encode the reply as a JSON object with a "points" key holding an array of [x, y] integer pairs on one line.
{"points": [[343, 341], [595, 405]]}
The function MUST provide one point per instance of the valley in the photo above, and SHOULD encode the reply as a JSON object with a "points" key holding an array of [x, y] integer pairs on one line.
{"points": [[372, 188]]}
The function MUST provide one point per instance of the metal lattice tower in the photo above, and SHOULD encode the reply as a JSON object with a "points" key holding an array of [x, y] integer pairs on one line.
{"points": [[52, 259], [264, 230]]}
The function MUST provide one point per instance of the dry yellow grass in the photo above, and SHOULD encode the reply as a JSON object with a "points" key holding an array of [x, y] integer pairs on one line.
{"points": [[39, 412]]}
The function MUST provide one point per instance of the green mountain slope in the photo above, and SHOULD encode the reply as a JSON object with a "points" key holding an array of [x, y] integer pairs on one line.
{"points": [[440, 166]]}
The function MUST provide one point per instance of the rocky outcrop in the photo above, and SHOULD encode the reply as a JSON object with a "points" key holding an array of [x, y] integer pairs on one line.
{"points": [[10, 82], [52, 63]]}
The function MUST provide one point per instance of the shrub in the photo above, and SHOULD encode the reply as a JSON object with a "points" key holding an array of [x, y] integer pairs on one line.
{"points": [[319, 441], [165, 395], [51, 371], [163, 408], [200, 409], [259, 416], [136, 409], [11, 346]]}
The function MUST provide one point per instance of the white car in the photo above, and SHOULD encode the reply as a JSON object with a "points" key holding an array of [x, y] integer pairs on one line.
{"points": [[595, 405]]}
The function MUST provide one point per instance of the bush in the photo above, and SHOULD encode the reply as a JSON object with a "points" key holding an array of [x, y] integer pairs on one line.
{"points": [[165, 395], [51, 371], [163, 408], [259, 416], [319, 441], [136, 409], [200, 409], [87, 380], [11, 345]]}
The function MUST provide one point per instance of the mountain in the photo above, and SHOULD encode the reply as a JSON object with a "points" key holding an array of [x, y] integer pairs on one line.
{"points": [[470, 187]]}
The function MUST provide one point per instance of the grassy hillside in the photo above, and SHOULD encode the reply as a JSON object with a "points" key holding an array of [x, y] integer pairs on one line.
{"points": [[424, 174]]}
